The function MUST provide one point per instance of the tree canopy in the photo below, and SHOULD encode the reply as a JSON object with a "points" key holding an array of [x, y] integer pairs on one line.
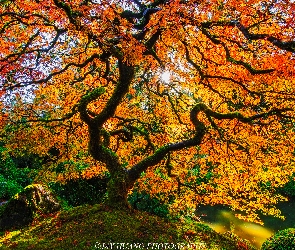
{"points": [[189, 98]]}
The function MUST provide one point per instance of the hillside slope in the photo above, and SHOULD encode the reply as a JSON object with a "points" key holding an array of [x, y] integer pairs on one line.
{"points": [[92, 227]]}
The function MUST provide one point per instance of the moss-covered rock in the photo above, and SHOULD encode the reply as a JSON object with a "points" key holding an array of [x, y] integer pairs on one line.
{"points": [[282, 240], [21, 209]]}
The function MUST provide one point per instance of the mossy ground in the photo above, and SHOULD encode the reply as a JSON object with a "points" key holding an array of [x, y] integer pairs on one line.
{"points": [[82, 227]]}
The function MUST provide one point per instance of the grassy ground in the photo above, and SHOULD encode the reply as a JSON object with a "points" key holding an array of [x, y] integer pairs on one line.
{"points": [[88, 227]]}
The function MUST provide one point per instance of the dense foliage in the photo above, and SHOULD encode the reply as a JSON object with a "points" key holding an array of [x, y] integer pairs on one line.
{"points": [[80, 191], [16, 173], [193, 99], [282, 240], [144, 202], [289, 188]]}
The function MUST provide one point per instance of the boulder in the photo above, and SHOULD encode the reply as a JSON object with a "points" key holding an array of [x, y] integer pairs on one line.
{"points": [[20, 210]]}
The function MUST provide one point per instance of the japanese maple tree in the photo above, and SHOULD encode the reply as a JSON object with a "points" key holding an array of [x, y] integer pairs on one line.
{"points": [[190, 97]]}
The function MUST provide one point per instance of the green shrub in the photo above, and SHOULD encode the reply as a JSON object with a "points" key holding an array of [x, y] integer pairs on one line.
{"points": [[289, 188], [8, 187], [92, 191], [14, 175], [143, 202], [81, 191], [282, 240]]}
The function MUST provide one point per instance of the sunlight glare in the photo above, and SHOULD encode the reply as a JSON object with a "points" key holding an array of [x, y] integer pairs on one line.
{"points": [[166, 76]]}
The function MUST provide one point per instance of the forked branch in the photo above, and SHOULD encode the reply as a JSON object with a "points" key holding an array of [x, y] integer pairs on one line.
{"points": [[200, 130]]}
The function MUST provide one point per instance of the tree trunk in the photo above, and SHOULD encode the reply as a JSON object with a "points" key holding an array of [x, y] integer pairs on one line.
{"points": [[117, 190]]}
